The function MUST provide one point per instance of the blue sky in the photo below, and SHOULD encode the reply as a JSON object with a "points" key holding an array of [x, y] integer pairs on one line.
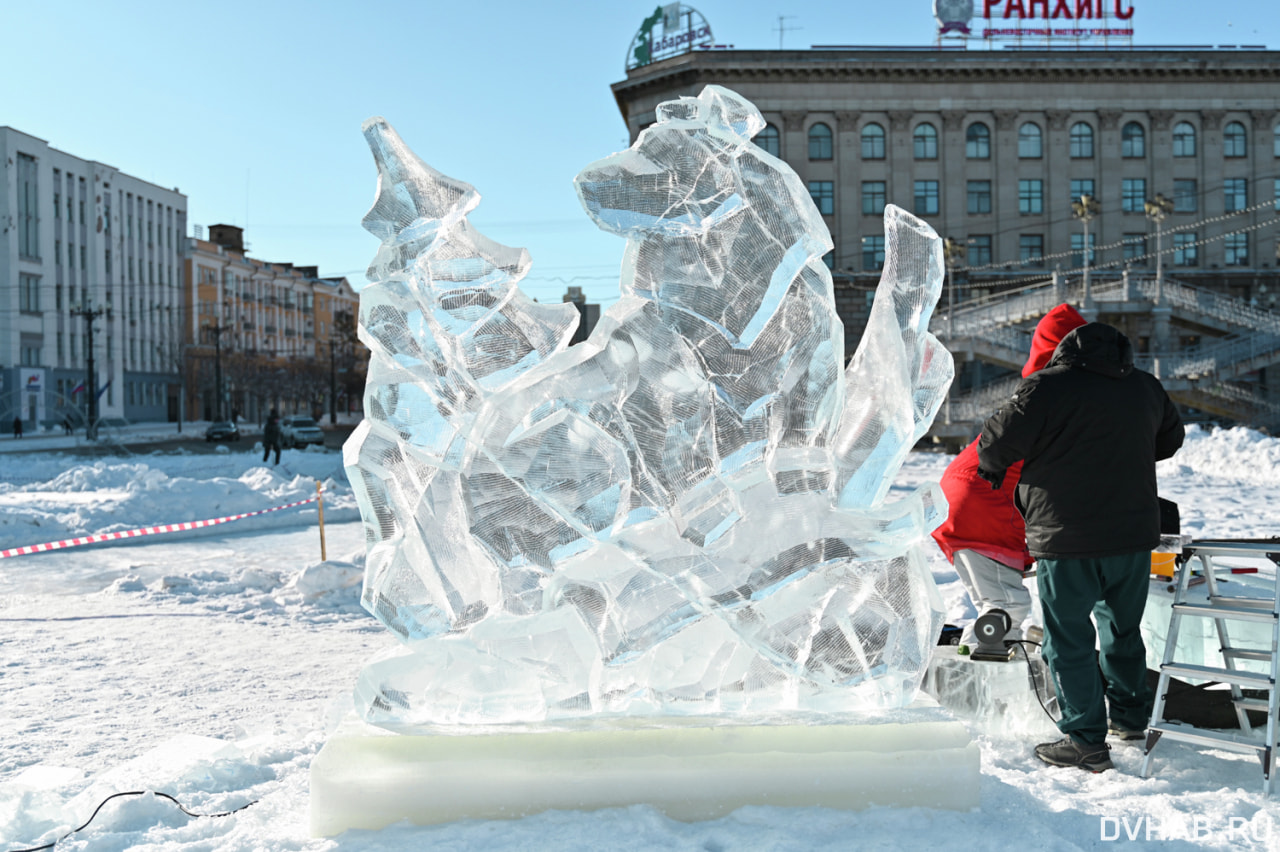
{"points": [[254, 109]]}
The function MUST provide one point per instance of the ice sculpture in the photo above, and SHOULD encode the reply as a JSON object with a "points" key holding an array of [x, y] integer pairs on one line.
{"points": [[687, 513]]}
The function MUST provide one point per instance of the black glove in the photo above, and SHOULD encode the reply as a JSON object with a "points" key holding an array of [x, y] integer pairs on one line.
{"points": [[996, 479]]}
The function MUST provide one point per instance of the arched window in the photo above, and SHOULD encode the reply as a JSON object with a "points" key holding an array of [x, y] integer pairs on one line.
{"points": [[1234, 140], [1081, 141], [819, 142], [1029, 140], [1133, 140], [925, 141], [873, 142], [977, 142], [769, 140], [1184, 140]]}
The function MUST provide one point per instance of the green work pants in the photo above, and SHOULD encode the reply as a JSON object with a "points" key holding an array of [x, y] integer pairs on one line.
{"points": [[1096, 670]]}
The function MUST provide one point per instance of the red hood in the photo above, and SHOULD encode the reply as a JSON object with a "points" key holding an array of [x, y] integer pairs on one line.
{"points": [[1049, 333]]}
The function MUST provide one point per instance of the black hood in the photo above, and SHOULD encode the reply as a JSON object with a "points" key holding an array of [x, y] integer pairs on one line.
{"points": [[1096, 347]]}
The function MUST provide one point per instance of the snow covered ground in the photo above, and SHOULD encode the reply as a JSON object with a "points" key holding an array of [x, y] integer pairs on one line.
{"points": [[210, 666]]}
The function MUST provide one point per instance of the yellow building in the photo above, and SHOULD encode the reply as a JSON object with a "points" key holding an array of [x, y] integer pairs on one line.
{"points": [[265, 335]]}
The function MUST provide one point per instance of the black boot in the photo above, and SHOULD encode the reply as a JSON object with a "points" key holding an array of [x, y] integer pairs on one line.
{"points": [[1068, 752]]}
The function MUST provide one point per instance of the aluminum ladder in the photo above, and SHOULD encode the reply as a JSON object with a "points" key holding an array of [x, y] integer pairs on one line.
{"points": [[1223, 609]]}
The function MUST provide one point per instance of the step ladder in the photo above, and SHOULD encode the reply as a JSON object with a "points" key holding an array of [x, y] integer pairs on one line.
{"points": [[1223, 609]]}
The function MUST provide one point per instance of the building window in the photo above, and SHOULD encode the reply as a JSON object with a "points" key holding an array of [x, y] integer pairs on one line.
{"points": [[1236, 249], [768, 139], [1133, 194], [1135, 249], [819, 142], [1030, 196], [1031, 249], [873, 142], [1234, 140], [1081, 141], [979, 196], [979, 250], [28, 208], [977, 142], [1184, 140], [873, 197], [28, 293], [1078, 250], [872, 253], [1185, 197], [1235, 195], [1184, 249], [1029, 141], [823, 194], [925, 141], [926, 198], [1081, 187], [1133, 140], [30, 356]]}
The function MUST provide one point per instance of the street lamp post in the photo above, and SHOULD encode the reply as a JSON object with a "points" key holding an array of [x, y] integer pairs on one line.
{"points": [[90, 315], [333, 383], [1084, 210], [952, 252], [217, 331], [1157, 209]]}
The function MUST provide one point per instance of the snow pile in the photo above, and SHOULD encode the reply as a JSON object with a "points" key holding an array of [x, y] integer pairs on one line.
{"points": [[1239, 454], [44, 500]]}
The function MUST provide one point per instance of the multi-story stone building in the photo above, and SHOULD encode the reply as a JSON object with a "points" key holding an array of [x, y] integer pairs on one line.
{"points": [[993, 147], [89, 269], [268, 334]]}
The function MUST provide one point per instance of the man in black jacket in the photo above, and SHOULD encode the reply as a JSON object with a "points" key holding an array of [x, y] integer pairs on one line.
{"points": [[1091, 429]]}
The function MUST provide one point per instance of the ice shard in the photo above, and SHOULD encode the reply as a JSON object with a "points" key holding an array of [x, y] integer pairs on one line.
{"points": [[689, 513]]}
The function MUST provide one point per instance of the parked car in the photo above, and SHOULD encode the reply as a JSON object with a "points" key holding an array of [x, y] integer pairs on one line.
{"points": [[223, 430], [299, 431]]}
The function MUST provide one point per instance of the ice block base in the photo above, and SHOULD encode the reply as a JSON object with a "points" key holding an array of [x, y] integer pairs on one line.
{"points": [[1010, 699], [688, 768]]}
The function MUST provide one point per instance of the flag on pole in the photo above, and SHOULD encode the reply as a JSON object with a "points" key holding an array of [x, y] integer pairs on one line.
{"points": [[103, 389], [75, 390]]}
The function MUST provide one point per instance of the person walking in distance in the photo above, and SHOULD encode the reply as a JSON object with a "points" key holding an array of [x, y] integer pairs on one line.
{"points": [[984, 536], [1089, 429], [271, 436], [17, 426]]}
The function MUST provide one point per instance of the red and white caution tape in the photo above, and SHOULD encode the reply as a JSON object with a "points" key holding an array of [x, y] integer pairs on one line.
{"points": [[162, 528]]}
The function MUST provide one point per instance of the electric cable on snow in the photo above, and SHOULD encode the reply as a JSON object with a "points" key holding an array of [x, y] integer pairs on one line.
{"points": [[1031, 671], [130, 793]]}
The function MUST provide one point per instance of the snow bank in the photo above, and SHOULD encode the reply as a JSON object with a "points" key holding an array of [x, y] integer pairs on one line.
{"points": [[44, 498]]}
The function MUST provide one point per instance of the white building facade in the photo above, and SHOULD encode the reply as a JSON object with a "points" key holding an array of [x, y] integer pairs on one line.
{"points": [[90, 270]]}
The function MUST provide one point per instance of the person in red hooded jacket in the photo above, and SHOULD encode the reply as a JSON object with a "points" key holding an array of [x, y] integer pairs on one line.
{"points": [[984, 536]]}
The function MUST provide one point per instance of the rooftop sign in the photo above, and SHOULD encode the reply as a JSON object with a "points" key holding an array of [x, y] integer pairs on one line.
{"points": [[1077, 19], [672, 29]]}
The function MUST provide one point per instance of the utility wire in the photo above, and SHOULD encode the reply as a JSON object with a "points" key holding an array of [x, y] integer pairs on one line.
{"points": [[130, 793]]}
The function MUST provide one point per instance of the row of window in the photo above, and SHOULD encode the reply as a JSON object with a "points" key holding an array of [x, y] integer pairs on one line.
{"points": [[977, 141], [1185, 250], [1031, 195], [144, 393]]}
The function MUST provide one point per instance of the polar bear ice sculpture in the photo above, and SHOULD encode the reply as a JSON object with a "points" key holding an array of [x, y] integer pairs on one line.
{"points": [[683, 515]]}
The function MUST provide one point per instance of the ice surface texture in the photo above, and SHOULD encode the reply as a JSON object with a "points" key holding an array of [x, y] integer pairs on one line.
{"points": [[686, 514]]}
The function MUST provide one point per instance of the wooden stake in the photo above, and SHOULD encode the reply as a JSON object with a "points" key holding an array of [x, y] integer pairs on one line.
{"points": [[320, 504]]}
